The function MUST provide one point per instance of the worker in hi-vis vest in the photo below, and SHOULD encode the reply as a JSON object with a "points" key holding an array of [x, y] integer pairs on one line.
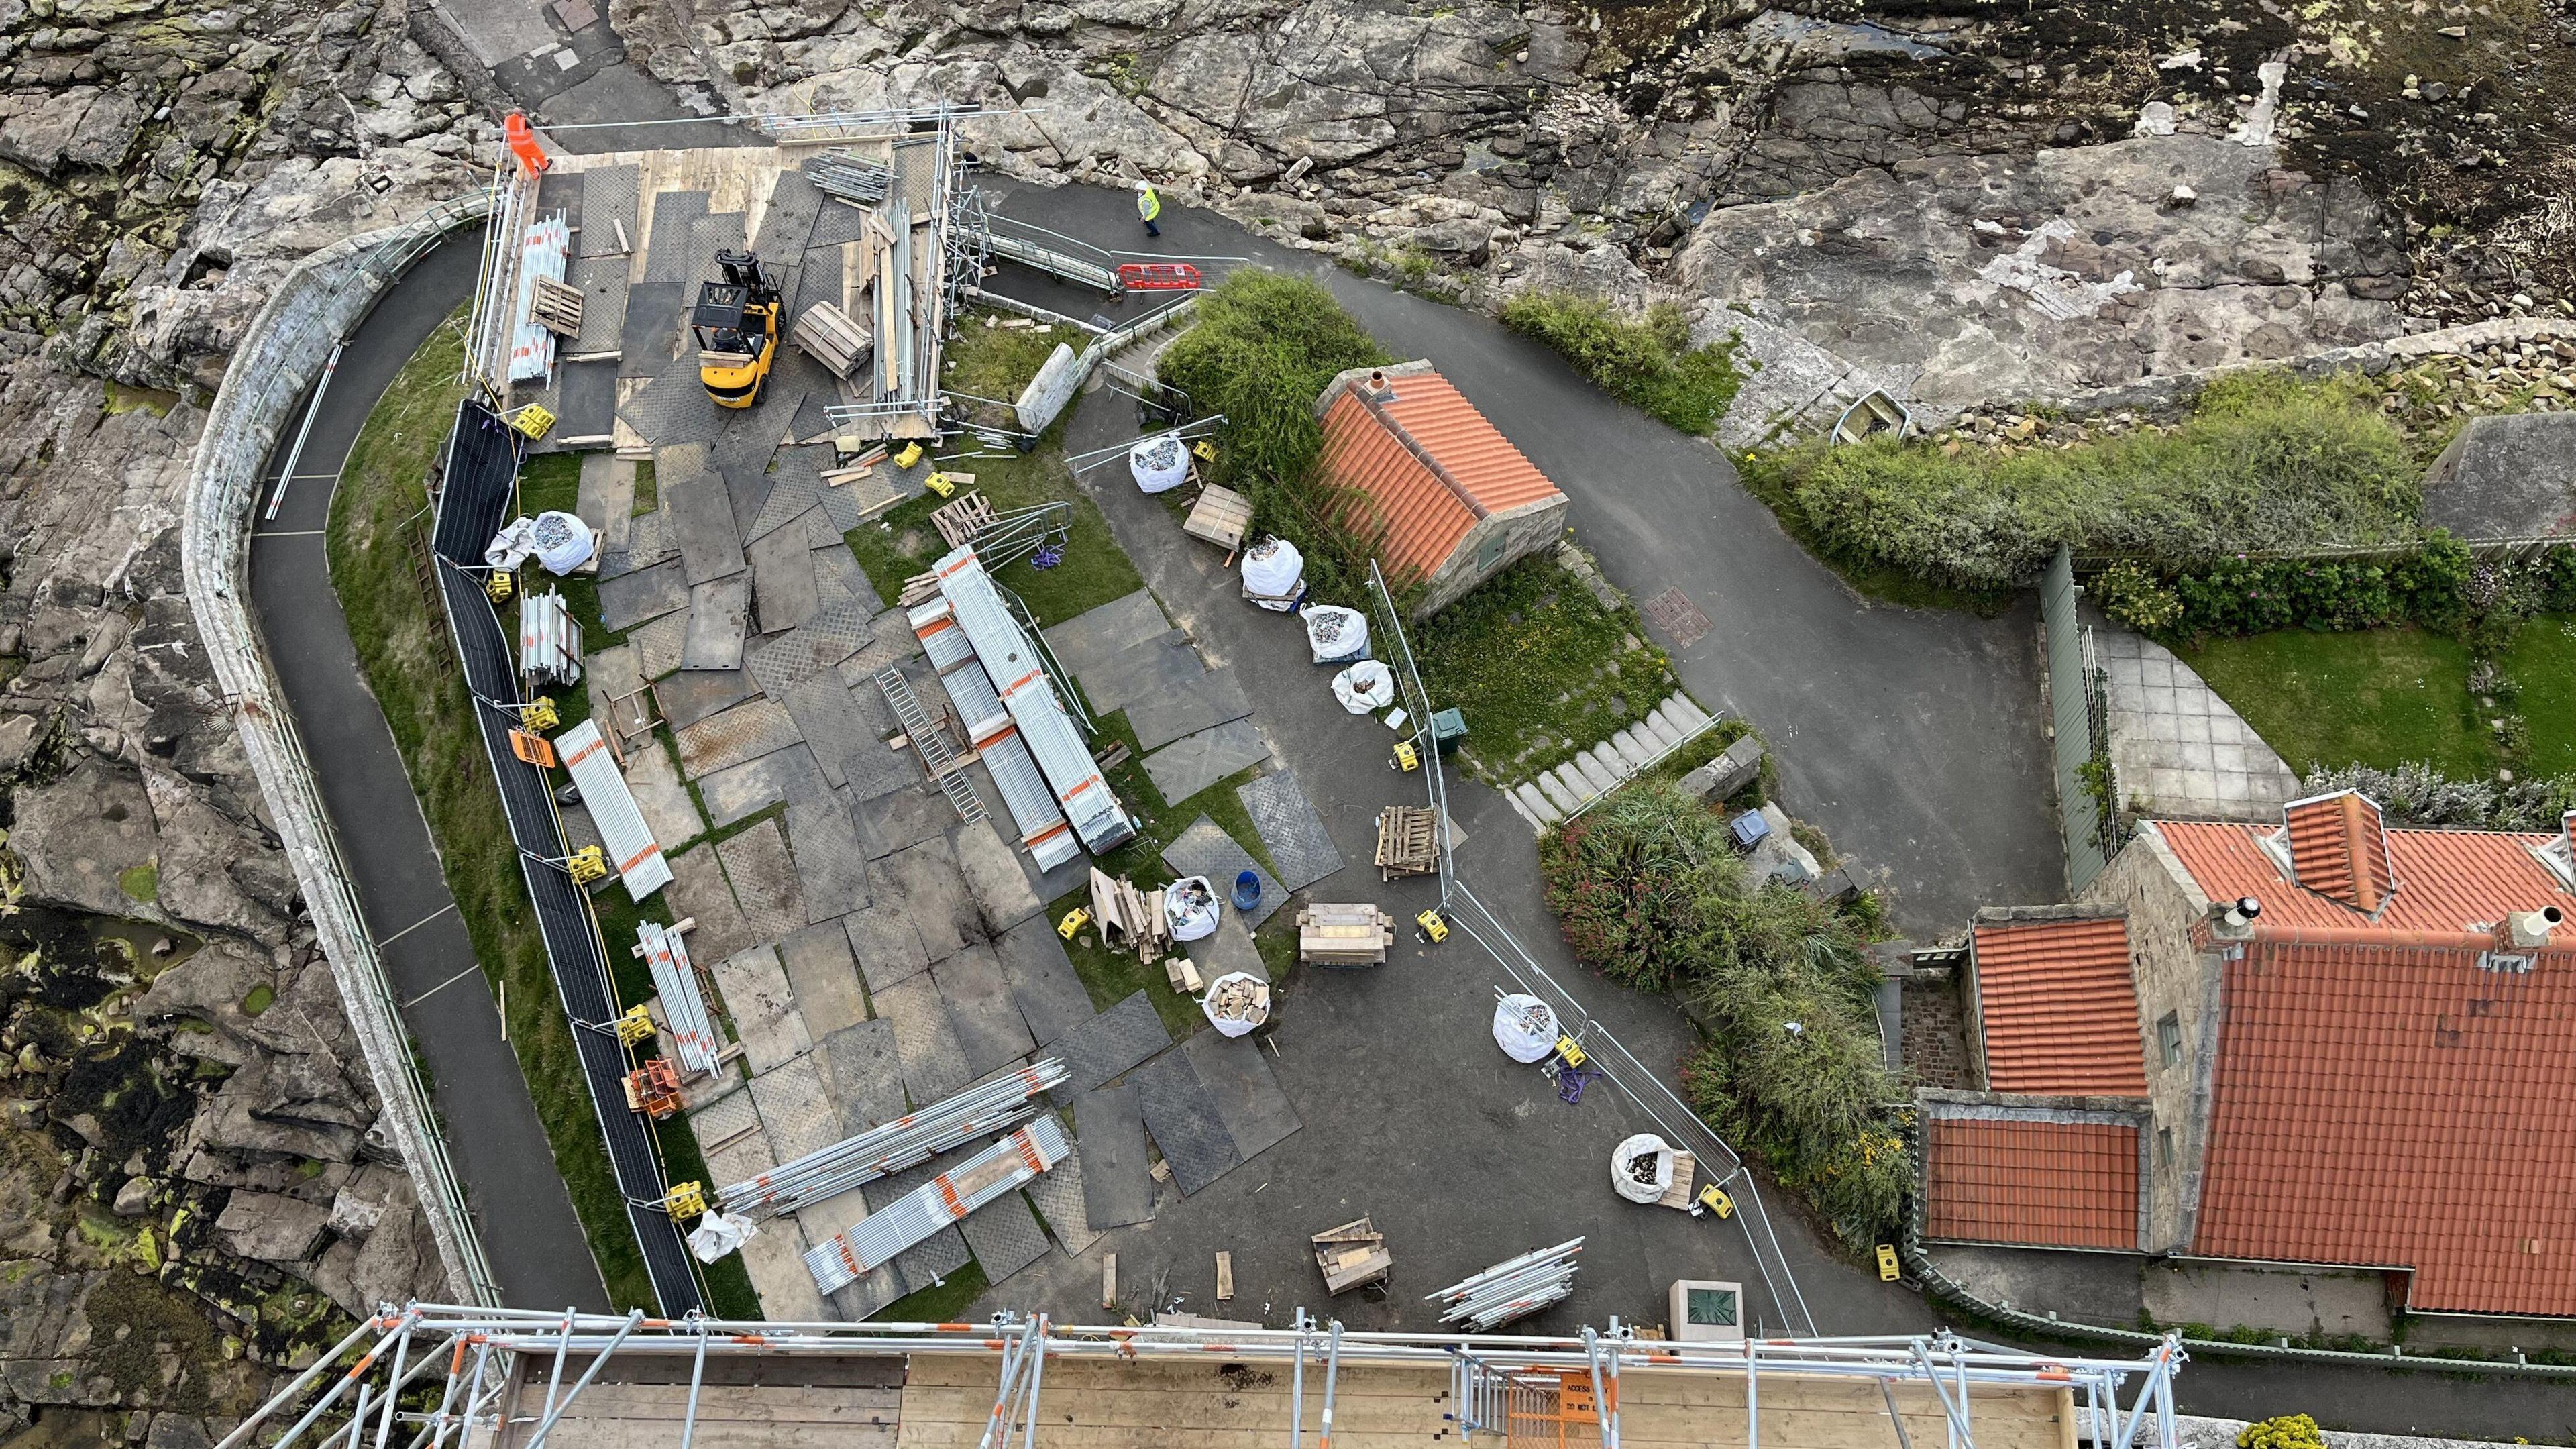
{"points": [[1148, 206]]}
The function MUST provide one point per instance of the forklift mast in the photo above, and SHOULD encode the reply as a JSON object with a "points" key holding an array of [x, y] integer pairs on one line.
{"points": [[743, 269]]}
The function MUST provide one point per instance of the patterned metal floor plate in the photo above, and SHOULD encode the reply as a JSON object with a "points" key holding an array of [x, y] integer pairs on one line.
{"points": [[982, 1009], [1005, 1236], [1057, 1195], [1186, 706], [782, 581], [764, 881], [888, 948], [795, 1109], [630, 599], [608, 199], [602, 281], [673, 409], [934, 1065], [831, 724], [1206, 850], [728, 737], [1095, 635], [698, 514], [658, 644], [1184, 1121], [1109, 1045], [1299, 845], [747, 789], [794, 202], [719, 615], [1117, 1183], [830, 864], [666, 249], [867, 1075], [1193, 762], [1236, 1075]]}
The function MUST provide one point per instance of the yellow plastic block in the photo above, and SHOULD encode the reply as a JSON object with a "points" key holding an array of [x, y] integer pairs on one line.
{"points": [[1886, 1263], [910, 455], [532, 420], [1436, 929], [687, 1200], [938, 483], [1074, 920], [636, 1025], [587, 864]]}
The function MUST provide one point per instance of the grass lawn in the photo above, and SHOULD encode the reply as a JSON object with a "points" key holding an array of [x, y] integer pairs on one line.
{"points": [[2542, 659], [991, 359], [1539, 669], [2375, 697], [902, 543], [403, 646]]}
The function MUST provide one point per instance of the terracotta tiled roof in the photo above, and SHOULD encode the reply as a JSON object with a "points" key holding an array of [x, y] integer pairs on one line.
{"points": [[2050, 1184], [2399, 1106], [2059, 1008], [2448, 880], [2339, 848], [1398, 451]]}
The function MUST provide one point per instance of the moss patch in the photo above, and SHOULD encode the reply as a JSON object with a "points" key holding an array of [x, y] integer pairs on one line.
{"points": [[259, 999], [142, 882]]}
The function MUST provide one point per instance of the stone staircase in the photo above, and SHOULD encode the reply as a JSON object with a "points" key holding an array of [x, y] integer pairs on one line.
{"points": [[1560, 792]]}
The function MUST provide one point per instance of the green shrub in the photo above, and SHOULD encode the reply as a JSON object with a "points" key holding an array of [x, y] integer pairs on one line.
{"points": [[2289, 1431], [2133, 596], [2264, 462], [1647, 361], [1263, 348], [2254, 596]]}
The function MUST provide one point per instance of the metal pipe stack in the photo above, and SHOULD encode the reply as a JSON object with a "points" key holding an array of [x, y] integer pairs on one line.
{"points": [[1510, 1289], [549, 640], [849, 177], [683, 1008], [883, 1151], [631, 847], [874, 1241]]}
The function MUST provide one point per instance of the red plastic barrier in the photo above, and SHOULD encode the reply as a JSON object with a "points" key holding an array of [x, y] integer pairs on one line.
{"points": [[1158, 277], [523, 144]]}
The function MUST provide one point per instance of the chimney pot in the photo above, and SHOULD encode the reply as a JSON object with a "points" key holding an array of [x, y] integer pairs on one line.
{"points": [[2530, 929], [1377, 384]]}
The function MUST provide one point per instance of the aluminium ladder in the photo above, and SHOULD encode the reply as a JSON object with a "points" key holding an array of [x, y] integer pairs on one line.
{"points": [[930, 744]]}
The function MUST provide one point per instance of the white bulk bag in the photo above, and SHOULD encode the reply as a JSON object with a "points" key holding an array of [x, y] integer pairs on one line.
{"points": [[1623, 1177], [1274, 573], [1524, 1027], [1191, 913], [1255, 1015], [1160, 464], [1365, 688], [718, 1234], [1336, 634], [560, 541]]}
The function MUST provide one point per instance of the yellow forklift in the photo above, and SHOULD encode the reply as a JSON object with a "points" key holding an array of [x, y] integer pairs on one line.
{"points": [[736, 322]]}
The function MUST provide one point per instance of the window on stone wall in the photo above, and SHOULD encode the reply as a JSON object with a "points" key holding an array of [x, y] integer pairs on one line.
{"points": [[2164, 1147], [2169, 1038]]}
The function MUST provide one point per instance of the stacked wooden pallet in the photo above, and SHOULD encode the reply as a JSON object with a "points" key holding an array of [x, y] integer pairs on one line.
{"points": [[960, 519], [1344, 935], [556, 306], [1407, 842], [829, 337], [1352, 1256], [1220, 516]]}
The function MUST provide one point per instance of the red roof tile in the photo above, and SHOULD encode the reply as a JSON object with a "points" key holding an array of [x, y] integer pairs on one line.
{"points": [[2399, 1106], [1398, 452], [2059, 1008], [2050, 1184], [2339, 848], [2447, 880]]}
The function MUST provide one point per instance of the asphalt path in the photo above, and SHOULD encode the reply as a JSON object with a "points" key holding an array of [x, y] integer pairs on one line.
{"points": [[512, 1187]]}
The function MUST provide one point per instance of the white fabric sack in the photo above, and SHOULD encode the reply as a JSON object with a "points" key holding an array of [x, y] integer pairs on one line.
{"points": [[1624, 1182], [1336, 634], [1160, 464], [1191, 920], [1525, 1028], [560, 541], [1230, 1025], [1274, 572], [718, 1234], [1365, 688]]}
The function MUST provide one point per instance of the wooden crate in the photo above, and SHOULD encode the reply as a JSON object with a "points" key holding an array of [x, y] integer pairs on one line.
{"points": [[830, 337], [1407, 842], [1220, 516], [1344, 935], [960, 519], [556, 306], [1352, 1256]]}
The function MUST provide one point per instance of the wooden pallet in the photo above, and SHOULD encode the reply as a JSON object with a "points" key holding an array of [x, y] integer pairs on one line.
{"points": [[556, 306], [1352, 1256], [1685, 1168], [1407, 842], [1344, 935], [827, 335], [1220, 516], [961, 518]]}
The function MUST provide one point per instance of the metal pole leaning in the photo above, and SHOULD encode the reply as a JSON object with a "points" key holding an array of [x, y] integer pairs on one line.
{"points": [[1297, 1389], [634, 1318], [356, 1371], [247, 1427], [393, 1391], [1600, 1408], [1037, 1383], [1752, 1395], [563, 1348], [1332, 1381], [697, 1377]]}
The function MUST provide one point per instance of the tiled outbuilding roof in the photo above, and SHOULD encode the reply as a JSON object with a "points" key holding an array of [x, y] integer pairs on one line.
{"points": [[2447, 880], [2034, 1182], [1430, 464], [2059, 1010]]}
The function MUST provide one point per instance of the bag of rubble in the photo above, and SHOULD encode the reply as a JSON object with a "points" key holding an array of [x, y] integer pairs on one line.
{"points": [[1190, 905], [1337, 635], [1365, 688], [1236, 1003], [1524, 1027], [1641, 1168], [720, 1233], [1274, 575], [560, 541], [1160, 464]]}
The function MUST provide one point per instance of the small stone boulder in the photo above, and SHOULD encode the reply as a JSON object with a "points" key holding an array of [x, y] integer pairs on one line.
{"points": [[270, 1228], [1728, 773]]}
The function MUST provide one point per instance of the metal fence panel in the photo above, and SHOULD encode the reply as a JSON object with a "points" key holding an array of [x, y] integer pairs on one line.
{"points": [[2077, 707]]}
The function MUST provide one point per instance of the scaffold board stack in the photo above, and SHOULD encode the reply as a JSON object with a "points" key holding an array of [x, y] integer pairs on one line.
{"points": [[1514, 1288], [882, 1151], [684, 1008], [874, 1241]]}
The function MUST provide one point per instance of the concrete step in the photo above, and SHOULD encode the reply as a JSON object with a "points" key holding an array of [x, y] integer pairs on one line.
{"points": [[1630, 752], [1522, 811], [1683, 708], [1600, 770], [1655, 734], [1535, 805], [1561, 792]]}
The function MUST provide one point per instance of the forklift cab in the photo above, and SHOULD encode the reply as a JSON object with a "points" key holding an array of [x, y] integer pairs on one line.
{"points": [[736, 326]]}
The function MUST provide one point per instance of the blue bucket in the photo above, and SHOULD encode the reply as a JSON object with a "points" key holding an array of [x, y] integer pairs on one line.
{"points": [[1247, 891]]}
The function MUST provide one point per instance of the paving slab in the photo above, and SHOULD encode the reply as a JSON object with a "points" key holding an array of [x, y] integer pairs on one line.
{"points": [[1294, 833], [830, 865], [660, 796], [867, 1075], [746, 731], [1117, 1175], [658, 644], [923, 881], [1227, 949], [1005, 1236], [690, 695], [608, 674], [934, 1062], [815, 646], [1094, 636], [607, 496], [993, 876], [585, 398], [1204, 849], [1182, 1116], [763, 1010], [630, 599], [1109, 1045], [749, 788], [838, 577], [698, 889], [1186, 707], [1057, 1194], [775, 1259], [764, 880], [721, 1120], [1236, 1073], [782, 580], [824, 978], [830, 722], [796, 1107], [1050, 995], [718, 616], [1193, 762], [648, 336], [887, 947], [982, 1009]]}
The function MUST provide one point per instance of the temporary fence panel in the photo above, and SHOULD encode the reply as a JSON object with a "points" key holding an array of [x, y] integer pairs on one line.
{"points": [[1052, 739], [993, 1106], [549, 640], [874, 1241], [631, 846], [684, 1009], [541, 254]]}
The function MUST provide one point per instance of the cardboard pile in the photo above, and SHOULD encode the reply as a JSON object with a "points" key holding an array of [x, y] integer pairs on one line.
{"points": [[1344, 935], [1132, 920]]}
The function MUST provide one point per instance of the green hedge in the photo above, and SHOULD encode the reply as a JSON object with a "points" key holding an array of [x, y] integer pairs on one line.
{"points": [[2264, 462], [1646, 361], [1650, 893], [2440, 585]]}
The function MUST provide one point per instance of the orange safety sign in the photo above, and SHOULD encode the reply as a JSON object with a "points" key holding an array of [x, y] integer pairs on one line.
{"points": [[1158, 277], [523, 144]]}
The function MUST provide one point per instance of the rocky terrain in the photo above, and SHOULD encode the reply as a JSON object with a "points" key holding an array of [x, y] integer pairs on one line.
{"points": [[190, 1194]]}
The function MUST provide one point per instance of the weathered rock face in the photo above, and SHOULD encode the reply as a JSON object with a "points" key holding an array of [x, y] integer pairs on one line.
{"points": [[190, 1192]]}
